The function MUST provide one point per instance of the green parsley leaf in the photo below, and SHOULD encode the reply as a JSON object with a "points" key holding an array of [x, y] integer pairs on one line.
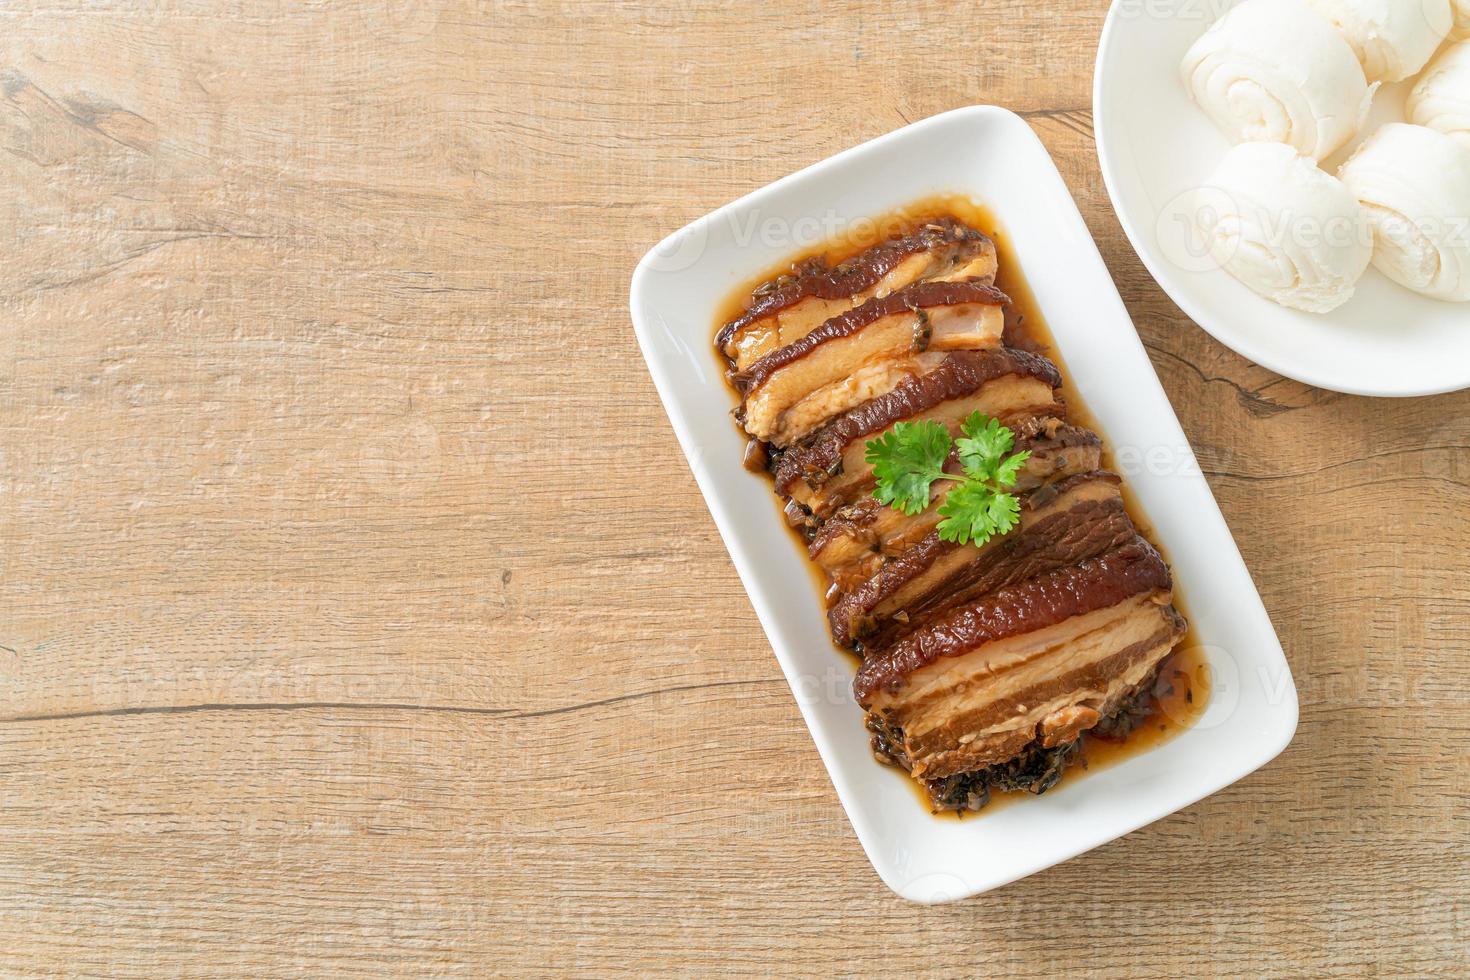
{"points": [[1003, 512], [966, 514], [985, 441], [906, 460], [1009, 469]]}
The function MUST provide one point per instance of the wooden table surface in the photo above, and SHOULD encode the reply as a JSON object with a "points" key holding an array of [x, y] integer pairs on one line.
{"points": [[359, 614]]}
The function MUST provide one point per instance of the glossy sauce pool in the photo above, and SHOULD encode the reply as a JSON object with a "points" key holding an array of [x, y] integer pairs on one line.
{"points": [[1182, 690]]}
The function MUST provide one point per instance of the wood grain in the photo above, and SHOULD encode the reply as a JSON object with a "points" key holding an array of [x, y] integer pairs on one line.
{"points": [[358, 613]]}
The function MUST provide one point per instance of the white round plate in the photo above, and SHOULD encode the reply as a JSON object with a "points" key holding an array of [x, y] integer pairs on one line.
{"points": [[1154, 144]]}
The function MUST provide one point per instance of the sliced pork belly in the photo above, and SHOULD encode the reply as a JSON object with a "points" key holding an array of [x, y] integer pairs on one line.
{"points": [[861, 537], [1061, 524], [983, 664], [1037, 767], [864, 353], [785, 310], [828, 471], [1036, 662]]}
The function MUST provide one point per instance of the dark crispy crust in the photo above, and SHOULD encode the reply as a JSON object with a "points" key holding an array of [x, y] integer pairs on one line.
{"points": [[918, 296], [1086, 529], [854, 276], [962, 373], [1041, 602]]}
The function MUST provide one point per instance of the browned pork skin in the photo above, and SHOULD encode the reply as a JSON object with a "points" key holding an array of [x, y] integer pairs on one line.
{"points": [[1061, 524], [1039, 660], [861, 537], [865, 353], [786, 309], [828, 470]]}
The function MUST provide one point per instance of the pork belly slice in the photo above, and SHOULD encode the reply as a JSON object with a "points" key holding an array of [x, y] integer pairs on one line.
{"points": [[786, 309], [863, 354], [1037, 768], [860, 538], [1059, 693], [827, 470], [1061, 524], [1037, 660], [1045, 601]]}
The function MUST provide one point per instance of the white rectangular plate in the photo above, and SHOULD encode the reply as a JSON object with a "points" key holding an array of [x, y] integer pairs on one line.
{"points": [[993, 157]]}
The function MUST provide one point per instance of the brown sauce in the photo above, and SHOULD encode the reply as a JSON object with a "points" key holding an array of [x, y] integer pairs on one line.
{"points": [[1182, 690]]}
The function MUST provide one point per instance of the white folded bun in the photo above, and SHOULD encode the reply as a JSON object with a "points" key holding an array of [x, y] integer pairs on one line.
{"points": [[1414, 183], [1393, 39], [1441, 99], [1461, 30], [1272, 219], [1276, 71]]}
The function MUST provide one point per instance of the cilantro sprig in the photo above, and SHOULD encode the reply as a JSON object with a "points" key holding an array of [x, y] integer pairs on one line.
{"points": [[910, 457]]}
